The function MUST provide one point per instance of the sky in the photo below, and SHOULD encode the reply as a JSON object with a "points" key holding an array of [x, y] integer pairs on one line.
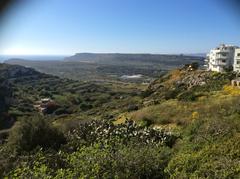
{"points": [[66, 27]]}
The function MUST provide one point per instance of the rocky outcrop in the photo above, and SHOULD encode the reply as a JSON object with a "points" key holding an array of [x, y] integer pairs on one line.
{"points": [[192, 79], [185, 82]]}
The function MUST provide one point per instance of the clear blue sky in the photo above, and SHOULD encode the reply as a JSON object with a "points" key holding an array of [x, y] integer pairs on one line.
{"points": [[127, 26]]}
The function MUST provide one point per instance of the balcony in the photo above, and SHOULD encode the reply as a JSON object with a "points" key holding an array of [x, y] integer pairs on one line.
{"points": [[220, 62], [220, 56], [223, 50]]}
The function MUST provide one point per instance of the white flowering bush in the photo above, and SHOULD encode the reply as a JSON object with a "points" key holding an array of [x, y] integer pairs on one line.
{"points": [[106, 132]]}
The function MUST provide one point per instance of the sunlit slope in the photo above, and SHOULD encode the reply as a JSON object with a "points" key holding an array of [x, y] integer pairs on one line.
{"points": [[204, 110]]}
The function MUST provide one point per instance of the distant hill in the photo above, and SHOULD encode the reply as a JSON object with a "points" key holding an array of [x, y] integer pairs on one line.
{"points": [[197, 54], [109, 66], [32, 57], [135, 58]]}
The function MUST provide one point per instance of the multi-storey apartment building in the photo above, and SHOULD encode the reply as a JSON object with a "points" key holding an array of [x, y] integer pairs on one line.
{"points": [[236, 64], [221, 58]]}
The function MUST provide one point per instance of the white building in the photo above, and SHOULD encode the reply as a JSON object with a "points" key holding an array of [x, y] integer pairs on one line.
{"points": [[221, 58], [236, 64]]}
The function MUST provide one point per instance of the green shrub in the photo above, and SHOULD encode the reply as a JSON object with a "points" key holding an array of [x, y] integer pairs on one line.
{"points": [[118, 162], [171, 94], [100, 149], [145, 122], [61, 111], [187, 96], [104, 132], [146, 93], [85, 106], [98, 161], [27, 134], [218, 160]]}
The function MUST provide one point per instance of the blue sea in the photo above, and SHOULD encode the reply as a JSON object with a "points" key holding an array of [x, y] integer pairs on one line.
{"points": [[31, 57]]}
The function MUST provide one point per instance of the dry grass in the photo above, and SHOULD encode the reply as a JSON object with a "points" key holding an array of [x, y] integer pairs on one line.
{"points": [[232, 90], [182, 113]]}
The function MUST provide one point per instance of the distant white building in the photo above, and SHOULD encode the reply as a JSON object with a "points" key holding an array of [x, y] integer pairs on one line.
{"points": [[236, 64], [222, 58]]}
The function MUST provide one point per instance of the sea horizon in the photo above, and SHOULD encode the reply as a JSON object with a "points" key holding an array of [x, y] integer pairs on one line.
{"points": [[32, 57]]}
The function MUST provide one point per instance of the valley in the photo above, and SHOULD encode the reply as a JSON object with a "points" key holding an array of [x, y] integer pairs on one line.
{"points": [[123, 89], [184, 117], [105, 67]]}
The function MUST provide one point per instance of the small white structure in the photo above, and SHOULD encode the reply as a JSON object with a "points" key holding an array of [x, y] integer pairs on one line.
{"points": [[221, 58], [236, 65]]}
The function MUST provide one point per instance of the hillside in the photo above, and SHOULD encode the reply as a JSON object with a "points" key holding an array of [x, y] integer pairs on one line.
{"points": [[26, 87], [184, 124], [9, 74], [203, 108]]}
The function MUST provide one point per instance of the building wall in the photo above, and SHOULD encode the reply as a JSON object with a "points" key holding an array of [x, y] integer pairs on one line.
{"points": [[221, 58], [236, 65]]}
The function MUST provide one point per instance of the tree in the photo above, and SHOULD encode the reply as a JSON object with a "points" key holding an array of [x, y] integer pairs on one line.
{"points": [[27, 134]]}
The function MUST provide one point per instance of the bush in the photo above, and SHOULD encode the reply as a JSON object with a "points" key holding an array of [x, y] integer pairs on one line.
{"points": [[27, 134], [96, 161], [61, 111], [146, 93], [118, 162], [45, 93], [85, 106], [100, 149], [145, 122], [171, 94], [106, 132], [219, 160], [187, 96]]}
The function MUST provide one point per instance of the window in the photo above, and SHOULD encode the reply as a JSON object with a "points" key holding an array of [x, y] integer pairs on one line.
{"points": [[238, 62], [224, 54], [238, 54], [223, 61]]}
